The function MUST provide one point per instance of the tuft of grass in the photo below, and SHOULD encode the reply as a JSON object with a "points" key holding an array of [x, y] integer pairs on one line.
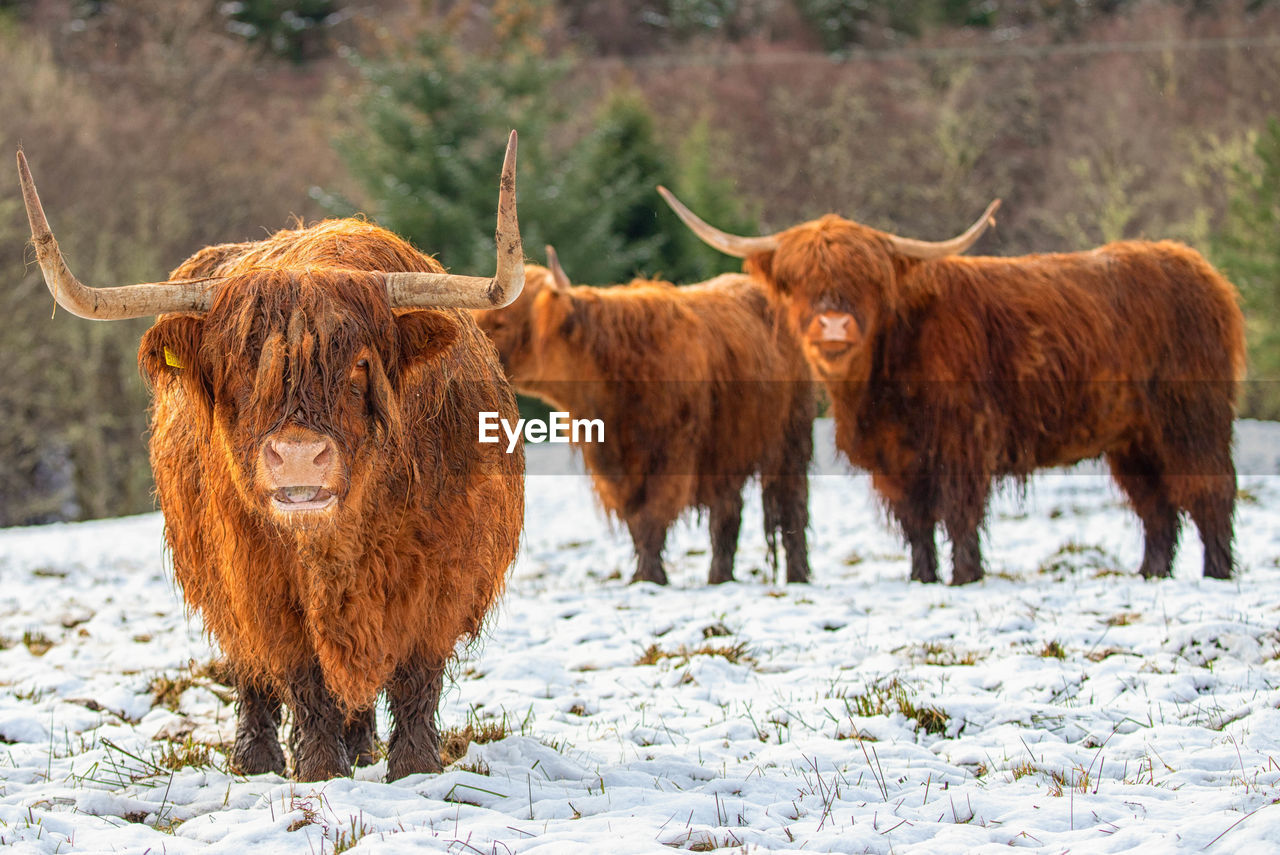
{"points": [[1061, 782], [121, 767], [310, 813], [1076, 557], [738, 654], [937, 653], [185, 755], [347, 838], [1122, 619], [1104, 653], [1053, 649], [34, 694], [1248, 496], [477, 768], [1022, 770], [214, 675], [168, 825], [706, 842], [36, 642], [894, 696], [716, 630], [455, 741]]}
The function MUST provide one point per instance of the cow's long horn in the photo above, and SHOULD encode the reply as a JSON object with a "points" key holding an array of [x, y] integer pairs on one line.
{"points": [[425, 290], [103, 304], [735, 245], [557, 272], [926, 250]]}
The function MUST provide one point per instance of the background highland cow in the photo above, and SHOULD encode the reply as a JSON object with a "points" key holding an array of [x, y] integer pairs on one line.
{"points": [[946, 373], [699, 388]]}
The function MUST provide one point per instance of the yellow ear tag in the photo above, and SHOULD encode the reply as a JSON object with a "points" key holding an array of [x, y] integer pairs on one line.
{"points": [[171, 359]]}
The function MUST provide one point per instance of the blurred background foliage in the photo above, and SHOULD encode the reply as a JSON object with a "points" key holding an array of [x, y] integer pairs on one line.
{"points": [[156, 127]]}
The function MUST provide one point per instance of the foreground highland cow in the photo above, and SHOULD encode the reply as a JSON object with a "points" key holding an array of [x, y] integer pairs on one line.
{"points": [[329, 512], [699, 389], [948, 372]]}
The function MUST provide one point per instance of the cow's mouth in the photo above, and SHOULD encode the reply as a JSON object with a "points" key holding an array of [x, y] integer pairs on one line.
{"points": [[308, 498], [832, 350]]}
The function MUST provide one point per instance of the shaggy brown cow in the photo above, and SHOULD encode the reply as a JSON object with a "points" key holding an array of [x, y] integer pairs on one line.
{"points": [[698, 387], [328, 510], [948, 372]]}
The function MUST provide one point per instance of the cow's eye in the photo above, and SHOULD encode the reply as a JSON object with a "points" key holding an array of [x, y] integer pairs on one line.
{"points": [[360, 377]]}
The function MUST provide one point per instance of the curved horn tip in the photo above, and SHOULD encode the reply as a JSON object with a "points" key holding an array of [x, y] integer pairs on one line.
{"points": [[508, 161], [734, 245], [31, 200], [558, 276]]}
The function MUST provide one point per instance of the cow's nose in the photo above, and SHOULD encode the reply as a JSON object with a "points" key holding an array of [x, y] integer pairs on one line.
{"points": [[833, 327], [293, 463]]}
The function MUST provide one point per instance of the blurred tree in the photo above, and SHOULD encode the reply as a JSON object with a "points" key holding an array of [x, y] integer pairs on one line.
{"points": [[841, 24], [606, 231], [700, 184], [290, 29], [616, 225], [1248, 250], [435, 123]]}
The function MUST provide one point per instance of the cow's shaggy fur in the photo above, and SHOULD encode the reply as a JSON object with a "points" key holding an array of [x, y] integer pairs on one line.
{"points": [[948, 373], [699, 388], [323, 616]]}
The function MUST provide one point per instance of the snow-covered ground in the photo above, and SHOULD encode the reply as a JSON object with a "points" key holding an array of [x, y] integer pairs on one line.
{"points": [[1063, 704]]}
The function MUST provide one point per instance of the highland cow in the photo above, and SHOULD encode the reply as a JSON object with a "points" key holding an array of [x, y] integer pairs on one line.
{"points": [[699, 388], [328, 510], [946, 373]]}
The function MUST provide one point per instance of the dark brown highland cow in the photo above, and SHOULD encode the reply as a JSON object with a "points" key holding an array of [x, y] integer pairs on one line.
{"points": [[329, 512], [699, 389], [947, 372]]}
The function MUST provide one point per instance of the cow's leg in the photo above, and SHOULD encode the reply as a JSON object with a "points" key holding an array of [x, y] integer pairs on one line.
{"points": [[966, 553], [1198, 473], [786, 512], [414, 695], [649, 538], [924, 551], [913, 509], [1210, 498], [786, 493], [726, 521], [1142, 481], [257, 746], [358, 735], [964, 515], [319, 752]]}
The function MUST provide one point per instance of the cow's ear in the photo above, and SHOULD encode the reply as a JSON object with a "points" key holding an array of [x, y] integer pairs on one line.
{"points": [[424, 336], [171, 349], [760, 265]]}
